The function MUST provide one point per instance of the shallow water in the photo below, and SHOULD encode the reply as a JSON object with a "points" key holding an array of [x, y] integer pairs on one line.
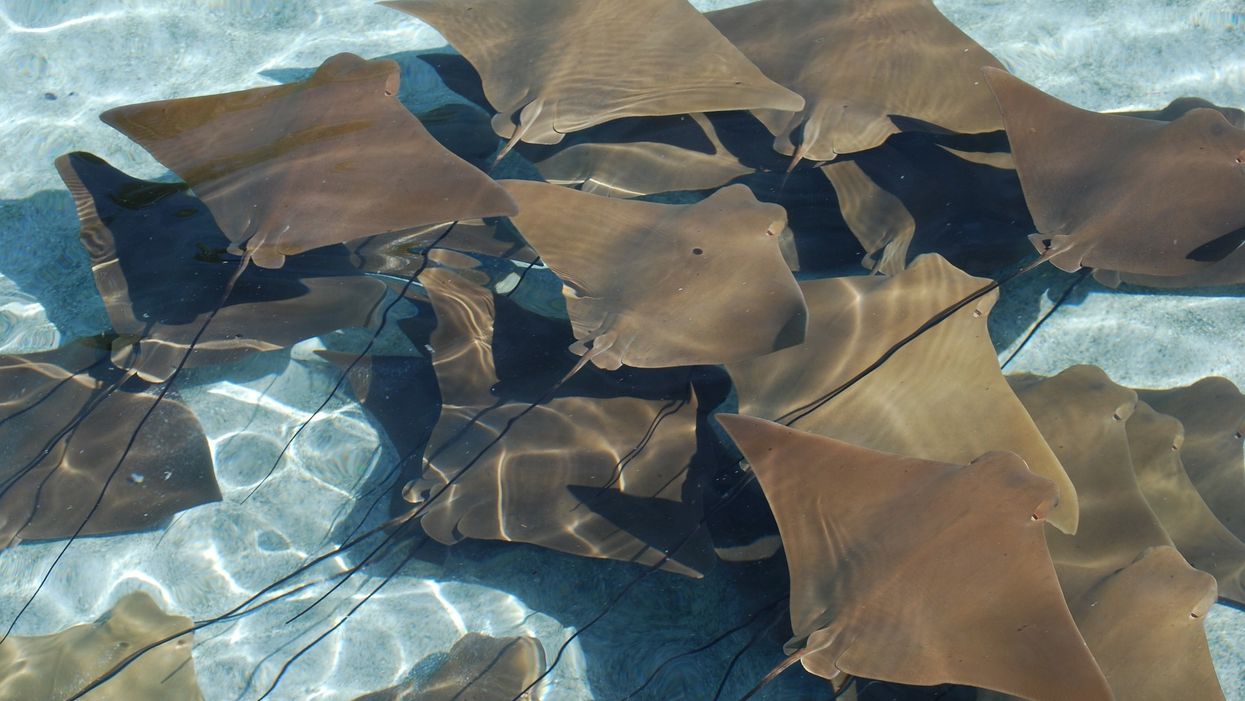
{"points": [[71, 60]]}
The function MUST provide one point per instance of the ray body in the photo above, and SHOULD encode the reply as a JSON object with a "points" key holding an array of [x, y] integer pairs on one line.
{"points": [[1212, 411], [53, 667], [953, 415], [1083, 416], [290, 168], [919, 572], [50, 480], [552, 67], [1138, 198], [538, 476], [1155, 441], [161, 266], [857, 64], [658, 285]]}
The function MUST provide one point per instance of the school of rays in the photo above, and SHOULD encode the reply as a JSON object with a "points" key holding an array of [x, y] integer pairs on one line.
{"points": [[779, 230]]}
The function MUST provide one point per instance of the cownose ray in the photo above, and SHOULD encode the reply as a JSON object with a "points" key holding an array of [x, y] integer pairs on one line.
{"points": [[552, 67], [1212, 411], [161, 267], [1145, 627], [1083, 416], [1155, 441], [1134, 199], [462, 247], [637, 168], [858, 64], [961, 411], [915, 571], [51, 478], [53, 667], [289, 168], [533, 473], [479, 668], [663, 285]]}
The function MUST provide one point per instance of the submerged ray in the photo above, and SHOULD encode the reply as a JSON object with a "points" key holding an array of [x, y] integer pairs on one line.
{"points": [[1083, 416], [552, 67], [53, 667], [961, 411], [161, 266], [506, 470], [479, 668], [290, 168], [1212, 411], [1140, 198], [1154, 442], [916, 571], [103, 469], [859, 64], [658, 285]]}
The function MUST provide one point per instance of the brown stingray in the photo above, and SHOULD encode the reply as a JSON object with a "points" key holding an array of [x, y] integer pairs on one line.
{"points": [[47, 496], [1144, 625], [54, 667], [879, 220], [857, 65], [633, 169], [660, 285], [160, 264], [480, 668], [1129, 196], [919, 572], [953, 414], [540, 478], [552, 67], [1083, 416], [290, 168], [1154, 441], [1213, 413], [398, 256]]}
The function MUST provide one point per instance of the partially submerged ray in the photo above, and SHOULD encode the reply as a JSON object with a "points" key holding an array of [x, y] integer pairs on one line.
{"points": [[658, 285], [551, 67], [51, 477], [1154, 441], [916, 571], [161, 266], [880, 221], [290, 168], [1212, 411], [506, 470], [961, 411], [858, 64], [1129, 196], [1083, 416], [479, 668], [53, 667]]}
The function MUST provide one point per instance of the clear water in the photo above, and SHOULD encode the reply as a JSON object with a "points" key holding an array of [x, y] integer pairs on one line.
{"points": [[68, 60]]}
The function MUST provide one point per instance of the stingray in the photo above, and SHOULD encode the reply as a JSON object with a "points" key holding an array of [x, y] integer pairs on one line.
{"points": [[858, 65], [878, 219], [962, 410], [636, 168], [289, 168], [52, 667], [656, 285], [89, 478], [479, 668], [1154, 441], [916, 571], [506, 470], [1148, 200], [1083, 416], [160, 264], [1144, 625], [1213, 413], [552, 67]]}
